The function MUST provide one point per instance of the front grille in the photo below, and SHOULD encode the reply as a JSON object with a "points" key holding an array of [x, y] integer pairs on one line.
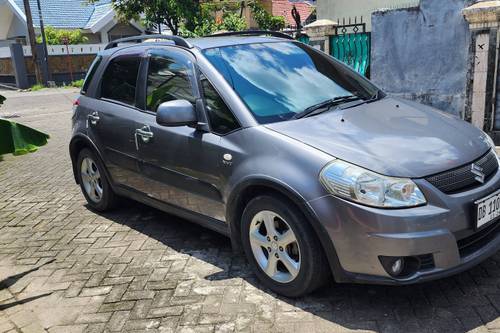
{"points": [[462, 178], [477, 240]]}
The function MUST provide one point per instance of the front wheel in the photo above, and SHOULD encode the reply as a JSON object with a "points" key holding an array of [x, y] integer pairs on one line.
{"points": [[282, 247]]}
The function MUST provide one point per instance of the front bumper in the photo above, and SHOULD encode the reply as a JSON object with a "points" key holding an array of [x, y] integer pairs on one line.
{"points": [[442, 230]]}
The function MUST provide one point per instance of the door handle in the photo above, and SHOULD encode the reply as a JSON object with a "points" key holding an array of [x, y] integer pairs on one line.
{"points": [[94, 118], [145, 134]]}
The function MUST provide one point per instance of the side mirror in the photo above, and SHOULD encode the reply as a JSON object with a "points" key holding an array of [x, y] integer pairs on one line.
{"points": [[176, 113]]}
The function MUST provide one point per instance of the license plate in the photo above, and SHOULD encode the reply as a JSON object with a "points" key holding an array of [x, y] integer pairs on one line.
{"points": [[487, 209]]}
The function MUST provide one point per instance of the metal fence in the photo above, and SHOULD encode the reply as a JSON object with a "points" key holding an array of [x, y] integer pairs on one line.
{"points": [[351, 44]]}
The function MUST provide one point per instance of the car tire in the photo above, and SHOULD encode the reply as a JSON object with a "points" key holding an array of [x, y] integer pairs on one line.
{"points": [[94, 181], [301, 266]]}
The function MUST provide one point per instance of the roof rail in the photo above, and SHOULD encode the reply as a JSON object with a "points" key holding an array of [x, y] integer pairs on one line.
{"points": [[179, 41], [252, 33]]}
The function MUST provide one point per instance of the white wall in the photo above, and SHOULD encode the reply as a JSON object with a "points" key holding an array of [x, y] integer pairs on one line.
{"points": [[59, 49], [337, 9]]}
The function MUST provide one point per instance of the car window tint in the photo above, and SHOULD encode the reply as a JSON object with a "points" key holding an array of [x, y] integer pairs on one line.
{"points": [[120, 79], [168, 80], [222, 120], [90, 74]]}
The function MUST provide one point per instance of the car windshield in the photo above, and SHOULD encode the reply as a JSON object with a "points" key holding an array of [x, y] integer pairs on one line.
{"points": [[278, 80]]}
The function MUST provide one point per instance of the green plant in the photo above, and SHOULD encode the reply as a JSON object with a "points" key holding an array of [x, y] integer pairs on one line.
{"points": [[37, 87], [58, 36], [77, 83], [264, 19], [206, 24], [232, 22]]}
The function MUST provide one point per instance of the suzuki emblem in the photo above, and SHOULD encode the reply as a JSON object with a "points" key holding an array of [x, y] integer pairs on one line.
{"points": [[478, 171]]}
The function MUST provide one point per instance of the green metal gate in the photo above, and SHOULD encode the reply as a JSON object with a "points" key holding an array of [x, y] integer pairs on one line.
{"points": [[351, 45], [352, 49]]}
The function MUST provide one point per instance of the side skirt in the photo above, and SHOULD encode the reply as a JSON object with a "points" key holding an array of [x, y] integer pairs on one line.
{"points": [[204, 221]]}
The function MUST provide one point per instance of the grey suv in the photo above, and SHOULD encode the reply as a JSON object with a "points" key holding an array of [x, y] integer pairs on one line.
{"points": [[307, 166]]}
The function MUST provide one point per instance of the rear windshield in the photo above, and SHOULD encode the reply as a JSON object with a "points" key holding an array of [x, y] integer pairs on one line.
{"points": [[279, 79]]}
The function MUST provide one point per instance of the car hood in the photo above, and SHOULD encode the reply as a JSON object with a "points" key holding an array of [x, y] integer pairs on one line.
{"points": [[392, 137]]}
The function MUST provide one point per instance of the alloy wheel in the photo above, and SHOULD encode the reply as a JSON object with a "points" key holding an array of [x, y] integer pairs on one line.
{"points": [[91, 179], [274, 246]]}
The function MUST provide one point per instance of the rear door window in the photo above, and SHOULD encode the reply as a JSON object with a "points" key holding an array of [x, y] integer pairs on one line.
{"points": [[120, 79]]}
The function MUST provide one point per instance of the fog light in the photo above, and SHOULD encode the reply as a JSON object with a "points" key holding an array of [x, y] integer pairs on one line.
{"points": [[397, 267]]}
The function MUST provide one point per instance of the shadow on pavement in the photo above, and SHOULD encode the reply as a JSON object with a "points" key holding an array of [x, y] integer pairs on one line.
{"points": [[11, 280], [456, 304], [22, 301]]}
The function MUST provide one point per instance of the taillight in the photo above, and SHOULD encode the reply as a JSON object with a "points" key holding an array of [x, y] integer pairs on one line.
{"points": [[75, 105]]}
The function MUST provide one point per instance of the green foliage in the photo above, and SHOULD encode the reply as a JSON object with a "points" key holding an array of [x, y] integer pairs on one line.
{"points": [[155, 12], [56, 36], [206, 24], [264, 19], [77, 83], [232, 22], [37, 87]]}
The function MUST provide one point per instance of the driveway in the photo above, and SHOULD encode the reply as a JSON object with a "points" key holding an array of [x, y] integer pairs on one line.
{"points": [[64, 268]]}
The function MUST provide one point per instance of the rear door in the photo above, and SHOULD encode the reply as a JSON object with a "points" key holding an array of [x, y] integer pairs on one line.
{"points": [[112, 124]]}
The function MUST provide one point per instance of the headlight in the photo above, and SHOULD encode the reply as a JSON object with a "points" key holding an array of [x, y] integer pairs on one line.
{"points": [[369, 188], [489, 140]]}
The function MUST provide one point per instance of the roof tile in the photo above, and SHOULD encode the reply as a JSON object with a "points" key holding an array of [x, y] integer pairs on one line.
{"points": [[68, 14]]}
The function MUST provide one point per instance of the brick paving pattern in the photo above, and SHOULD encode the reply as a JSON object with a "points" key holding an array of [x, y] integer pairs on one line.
{"points": [[64, 268]]}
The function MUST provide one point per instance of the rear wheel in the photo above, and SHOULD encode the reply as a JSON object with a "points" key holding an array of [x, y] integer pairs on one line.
{"points": [[93, 181], [281, 247]]}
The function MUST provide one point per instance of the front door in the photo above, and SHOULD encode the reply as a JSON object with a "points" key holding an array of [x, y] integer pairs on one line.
{"points": [[112, 122], [180, 164]]}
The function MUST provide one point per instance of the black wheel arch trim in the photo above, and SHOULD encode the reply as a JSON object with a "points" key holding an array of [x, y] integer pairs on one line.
{"points": [[232, 218], [73, 152]]}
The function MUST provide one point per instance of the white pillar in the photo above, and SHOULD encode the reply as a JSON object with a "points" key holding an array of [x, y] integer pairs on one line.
{"points": [[484, 21], [104, 36]]}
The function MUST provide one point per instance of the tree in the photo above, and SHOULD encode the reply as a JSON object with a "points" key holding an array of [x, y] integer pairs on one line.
{"points": [[156, 12], [57, 36], [264, 19], [232, 22], [206, 22]]}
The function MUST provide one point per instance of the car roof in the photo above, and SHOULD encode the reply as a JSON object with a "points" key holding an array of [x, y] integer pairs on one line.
{"points": [[200, 43], [213, 42]]}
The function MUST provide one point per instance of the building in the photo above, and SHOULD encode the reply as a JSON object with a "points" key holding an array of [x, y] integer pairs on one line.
{"points": [[336, 10], [96, 20], [306, 10]]}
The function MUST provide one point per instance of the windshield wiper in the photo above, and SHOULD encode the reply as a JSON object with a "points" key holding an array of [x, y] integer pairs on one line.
{"points": [[324, 106], [375, 97]]}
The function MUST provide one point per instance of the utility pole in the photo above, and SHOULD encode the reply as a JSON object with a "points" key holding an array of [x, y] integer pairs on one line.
{"points": [[45, 62], [32, 38]]}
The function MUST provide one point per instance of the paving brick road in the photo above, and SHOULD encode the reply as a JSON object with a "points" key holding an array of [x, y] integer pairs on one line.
{"points": [[64, 268]]}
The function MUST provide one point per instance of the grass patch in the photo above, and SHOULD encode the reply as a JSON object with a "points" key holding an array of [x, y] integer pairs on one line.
{"points": [[37, 87]]}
